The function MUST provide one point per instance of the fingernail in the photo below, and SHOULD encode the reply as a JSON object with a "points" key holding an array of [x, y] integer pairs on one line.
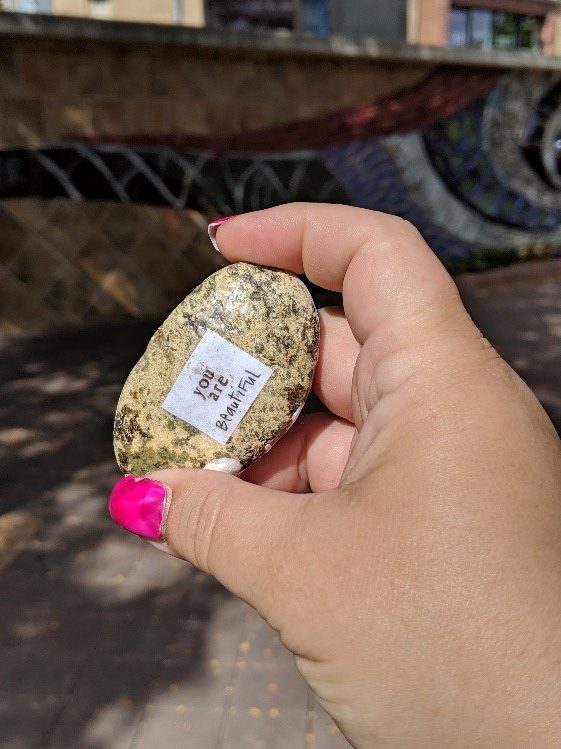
{"points": [[213, 228], [139, 506]]}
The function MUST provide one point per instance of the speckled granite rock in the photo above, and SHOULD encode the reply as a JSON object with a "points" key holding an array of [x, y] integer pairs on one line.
{"points": [[223, 378]]}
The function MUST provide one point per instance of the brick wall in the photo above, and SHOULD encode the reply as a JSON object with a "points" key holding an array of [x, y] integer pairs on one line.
{"points": [[74, 263], [57, 89], [65, 262]]}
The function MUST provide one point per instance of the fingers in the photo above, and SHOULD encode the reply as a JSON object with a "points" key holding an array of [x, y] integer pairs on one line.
{"points": [[389, 276], [338, 353], [226, 527], [232, 529], [311, 457]]}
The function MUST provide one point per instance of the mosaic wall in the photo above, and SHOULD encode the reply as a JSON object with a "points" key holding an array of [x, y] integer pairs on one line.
{"points": [[76, 262], [107, 221]]}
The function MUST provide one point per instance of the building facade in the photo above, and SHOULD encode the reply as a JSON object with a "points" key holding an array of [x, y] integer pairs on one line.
{"points": [[484, 24], [187, 12], [532, 25], [384, 19]]}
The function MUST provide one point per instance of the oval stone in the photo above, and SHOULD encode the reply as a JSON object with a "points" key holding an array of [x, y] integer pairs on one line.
{"points": [[223, 378]]}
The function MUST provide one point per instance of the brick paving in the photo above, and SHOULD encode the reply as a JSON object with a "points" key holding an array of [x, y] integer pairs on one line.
{"points": [[105, 642]]}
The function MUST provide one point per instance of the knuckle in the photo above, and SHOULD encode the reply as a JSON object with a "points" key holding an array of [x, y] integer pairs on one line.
{"points": [[395, 225], [195, 520]]}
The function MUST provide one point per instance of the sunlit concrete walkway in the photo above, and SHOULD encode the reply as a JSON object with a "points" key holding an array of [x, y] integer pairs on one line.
{"points": [[105, 642]]}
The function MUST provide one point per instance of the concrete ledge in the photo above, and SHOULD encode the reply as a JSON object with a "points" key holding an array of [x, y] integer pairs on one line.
{"points": [[500, 279], [259, 42]]}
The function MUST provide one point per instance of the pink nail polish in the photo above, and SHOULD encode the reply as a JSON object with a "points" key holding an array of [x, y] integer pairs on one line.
{"points": [[213, 228], [139, 505]]}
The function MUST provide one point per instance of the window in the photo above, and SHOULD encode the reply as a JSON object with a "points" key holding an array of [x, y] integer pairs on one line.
{"points": [[505, 31], [487, 29], [305, 15], [315, 16], [243, 14], [530, 32], [458, 28], [482, 29]]}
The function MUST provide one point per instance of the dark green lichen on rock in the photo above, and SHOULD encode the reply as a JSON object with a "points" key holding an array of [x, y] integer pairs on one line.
{"points": [[267, 313]]}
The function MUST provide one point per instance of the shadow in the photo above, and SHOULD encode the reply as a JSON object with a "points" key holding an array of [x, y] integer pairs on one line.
{"points": [[95, 624], [60, 392], [523, 321]]}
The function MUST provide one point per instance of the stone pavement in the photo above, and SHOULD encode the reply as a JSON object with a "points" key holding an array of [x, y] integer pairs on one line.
{"points": [[519, 311], [109, 644]]}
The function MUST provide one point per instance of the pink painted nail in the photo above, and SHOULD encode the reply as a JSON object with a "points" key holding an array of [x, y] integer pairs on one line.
{"points": [[139, 506], [213, 228]]}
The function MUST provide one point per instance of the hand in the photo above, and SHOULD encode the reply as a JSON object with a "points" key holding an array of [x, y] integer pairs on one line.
{"points": [[406, 546]]}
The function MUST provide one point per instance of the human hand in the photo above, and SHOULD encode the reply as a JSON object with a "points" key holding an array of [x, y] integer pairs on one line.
{"points": [[406, 546]]}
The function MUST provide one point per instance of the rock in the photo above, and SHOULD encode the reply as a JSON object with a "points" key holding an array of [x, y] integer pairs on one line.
{"points": [[223, 378]]}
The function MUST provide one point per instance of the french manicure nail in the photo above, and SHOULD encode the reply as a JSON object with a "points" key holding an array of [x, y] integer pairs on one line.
{"points": [[139, 506], [213, 228]]}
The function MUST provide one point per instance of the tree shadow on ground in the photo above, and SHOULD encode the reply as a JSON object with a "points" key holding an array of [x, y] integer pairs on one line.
{"points": [[95, 624]]}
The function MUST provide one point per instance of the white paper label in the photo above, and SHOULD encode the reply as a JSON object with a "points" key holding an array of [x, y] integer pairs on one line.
{"points": [[216, 387]]}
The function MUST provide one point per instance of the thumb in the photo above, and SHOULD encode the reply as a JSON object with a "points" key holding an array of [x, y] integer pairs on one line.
{"points": [[235, 531]]}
